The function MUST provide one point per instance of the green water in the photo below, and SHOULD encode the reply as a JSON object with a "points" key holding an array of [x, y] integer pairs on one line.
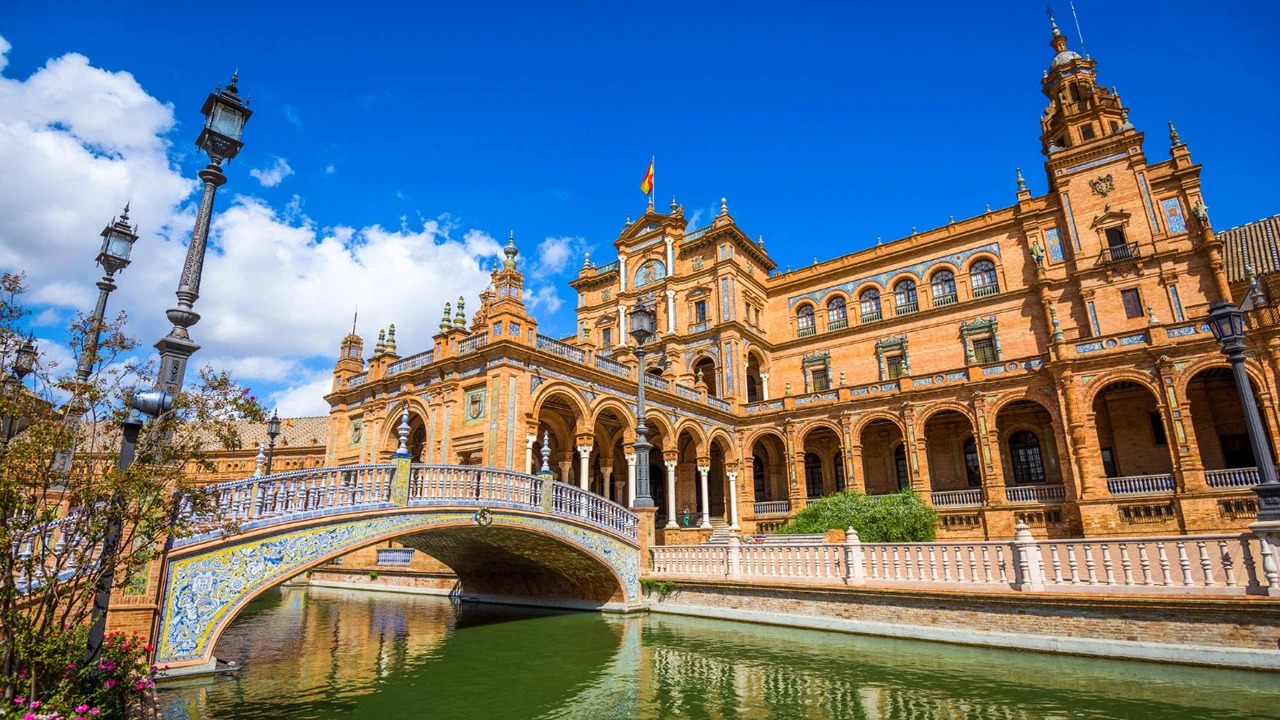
{"points": [[321, 653]]}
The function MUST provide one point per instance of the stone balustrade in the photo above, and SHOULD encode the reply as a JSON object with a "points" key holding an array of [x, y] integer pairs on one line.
{"points": [[1036, 493], [412, 362], [612, 367], [1234, 478], [957, 498], [472, 343], [1141, 484], [564, 350], [773, 507], [1197, 564]]}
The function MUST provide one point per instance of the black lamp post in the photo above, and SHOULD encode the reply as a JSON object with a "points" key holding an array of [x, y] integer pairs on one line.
{"points": [[643, 321], [224, 121], [23, 363], [1227, 323], [273, 431], [117, 245]]}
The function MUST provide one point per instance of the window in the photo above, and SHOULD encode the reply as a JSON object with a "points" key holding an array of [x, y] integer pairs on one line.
{"points": [[944, 288], [1117, 245], [820, 381], [837, 314], [1109, 463], [700, 311], [984, 351], [606, 336], [837, 461], [904, 297], [1132, 303], [893, 365], [1086, 132], [1075, 92], [1115, 127], [869, 305], [1157, 430], [1024, 450], [804, 321], [982, 276], [972, 466], [759, 478], [900, 467], [813, 475]]}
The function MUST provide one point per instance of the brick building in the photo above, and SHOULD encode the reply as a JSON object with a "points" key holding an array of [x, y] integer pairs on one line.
{"points": [[1047, 361]]}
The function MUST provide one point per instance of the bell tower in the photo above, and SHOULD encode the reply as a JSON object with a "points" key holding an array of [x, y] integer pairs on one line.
{"points": [[1081, 114]]}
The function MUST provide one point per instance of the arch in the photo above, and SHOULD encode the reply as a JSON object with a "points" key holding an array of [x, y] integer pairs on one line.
{"points": [[984, 272], [806, 318], [1195, 367], [802, 433], [1215, 414], [710, 373], [561, 388], [994, 407], [649, 272], [1128, 418], [720, 436], [1100, 383], [759, 434], [695, 432], [923, 417], [837, 311], [870, 417], [654, 419], [607, 403], [869, 303], [978, 257], [208, 583]]}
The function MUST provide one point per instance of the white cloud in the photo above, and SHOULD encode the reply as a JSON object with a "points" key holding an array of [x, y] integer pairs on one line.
{"points": [[556, 254], [274, 175], [291, 114], [77, 142], [543, 298], [306, 397], [329, 170], [4, 50]]}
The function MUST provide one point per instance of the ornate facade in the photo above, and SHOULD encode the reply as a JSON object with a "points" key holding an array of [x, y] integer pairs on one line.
{"points": [[1048, 361]]}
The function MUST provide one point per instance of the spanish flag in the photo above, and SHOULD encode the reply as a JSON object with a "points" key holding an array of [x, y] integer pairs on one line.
{"points": [[646, 185]]}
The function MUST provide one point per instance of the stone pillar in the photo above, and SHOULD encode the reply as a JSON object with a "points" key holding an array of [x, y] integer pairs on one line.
{"points": [[703, 471], [584, 467], [606, 471], [857, 480], [671, 308], [528, 452], [670, 459], [1029, 567], [622, 278], [671, 258], [622, 326], [645, 536], [733, 499], [735, 557], [631, 478], [565, 467], [988, 438], [764, 386], [855, 569], [1086, 458]]}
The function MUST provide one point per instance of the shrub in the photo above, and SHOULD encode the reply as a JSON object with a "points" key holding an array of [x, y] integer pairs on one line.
{"points": [[373, 574], [53, 684], [888, 518]]}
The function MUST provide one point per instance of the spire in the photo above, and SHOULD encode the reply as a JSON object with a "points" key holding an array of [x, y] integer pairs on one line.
{"points": [[1173, 135], [460, 317], [381, 347], [586, 260], [445, 323], [724, 207], [355, 316], [673, 203], [390, 347], [1022, 183], [511, 252]]}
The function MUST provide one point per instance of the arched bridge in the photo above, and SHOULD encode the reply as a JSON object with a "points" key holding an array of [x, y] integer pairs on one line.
{"points": [[510, 537]]}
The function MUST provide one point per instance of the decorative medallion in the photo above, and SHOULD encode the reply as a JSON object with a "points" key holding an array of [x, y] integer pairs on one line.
{"points": [[475, 404], [483, 517], [1103, 185]]}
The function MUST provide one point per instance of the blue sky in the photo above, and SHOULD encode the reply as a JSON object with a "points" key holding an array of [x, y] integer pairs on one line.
{"points": [[824, 126]]}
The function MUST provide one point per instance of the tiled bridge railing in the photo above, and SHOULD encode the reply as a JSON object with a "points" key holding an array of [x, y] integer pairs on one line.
{"points": [[271, 499], [1205, 564]]}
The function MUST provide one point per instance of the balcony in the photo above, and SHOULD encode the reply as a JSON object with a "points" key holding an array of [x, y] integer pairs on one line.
{"points": [[806, 331], [1118, 253], [944, 300], [564, 350], [985, 290], [473, 343], [773, 507], [357, 380], [869, 317], [957, 498], [1141, 485], [1036, 493], [907, 308], [411, 362], [1233, 478], [612, 367], [838, 324]]}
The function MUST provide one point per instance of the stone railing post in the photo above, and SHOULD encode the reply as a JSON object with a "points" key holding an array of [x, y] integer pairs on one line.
{"points": [[1268, 534], [1030, 573], [855, 569], [735, 557]]}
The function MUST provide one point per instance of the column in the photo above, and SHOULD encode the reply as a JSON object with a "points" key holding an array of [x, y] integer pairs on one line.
{"points": [[703, 471], [565, 467], [764, 386], [671, 259], [733, 499], [671, 307], [671, 492], [607, 472], [528, 452], [584, 469], [622, 326], [622, 272], [631, 478]]}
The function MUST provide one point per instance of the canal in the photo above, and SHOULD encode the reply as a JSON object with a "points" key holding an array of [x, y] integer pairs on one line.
{"points": [[326, 653]]}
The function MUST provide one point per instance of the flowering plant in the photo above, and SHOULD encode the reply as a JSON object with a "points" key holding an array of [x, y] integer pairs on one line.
{"points": [[52, 684]]}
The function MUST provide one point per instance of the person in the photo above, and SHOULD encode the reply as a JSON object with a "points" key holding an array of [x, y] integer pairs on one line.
{"points": [[685, 518]]}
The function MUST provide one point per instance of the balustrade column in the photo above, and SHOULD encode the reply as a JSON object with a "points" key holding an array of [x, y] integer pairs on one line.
{"points": [[703, 471], [733, 499], [671, 463]]}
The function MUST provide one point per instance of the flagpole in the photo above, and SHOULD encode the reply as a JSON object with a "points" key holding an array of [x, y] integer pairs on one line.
{"points": [[653, 184]]}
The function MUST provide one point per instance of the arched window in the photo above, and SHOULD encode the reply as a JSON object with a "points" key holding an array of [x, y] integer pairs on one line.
{"points": [[944, 288], [838, 462], [972, 465], [982, 276], [1024, 451], [813, 475], [804, 321], [904, 297], [758, 477], [869, 305], [900, 467], [837, 314]]}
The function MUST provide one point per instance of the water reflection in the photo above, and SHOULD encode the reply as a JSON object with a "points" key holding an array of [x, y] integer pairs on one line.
{"points": [[321, 653]]}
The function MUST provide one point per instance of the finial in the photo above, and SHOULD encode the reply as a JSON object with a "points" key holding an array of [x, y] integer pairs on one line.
{"points": [[235, 78], [391, 339], [355, 316], [988, 207], [381, 347], [460, 315], [1173, 134], [511, 251], [673, 203], [546, 451], [586, 260], [951, 218], [260, 461], [403, 431], [1054, 24], [124, 215], [761, 241], [913, 229], [445, 324], [724, 206], [1151, 316], [1022, 183], [879, 241], [815, 259], [628, 222]]}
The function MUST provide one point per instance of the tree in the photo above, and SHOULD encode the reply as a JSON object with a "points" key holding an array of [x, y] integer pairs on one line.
{"points": [[59, 486], [883, 518]]}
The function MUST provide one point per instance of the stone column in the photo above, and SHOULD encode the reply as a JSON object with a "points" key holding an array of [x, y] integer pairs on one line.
{"points": [[988, 439], [733, 499], [671, 309], [671, 258], [1086, 458], [764, 386], [703, 471], [670, 460], [606, 470], [565, 467], [622, 326], [622, 274], [528, 452], [584, 467], [631, 478]]}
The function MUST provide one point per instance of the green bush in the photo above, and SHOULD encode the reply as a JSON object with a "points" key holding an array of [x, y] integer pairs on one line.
{"points": [[888, 518], [373, 574], [52, 683]]}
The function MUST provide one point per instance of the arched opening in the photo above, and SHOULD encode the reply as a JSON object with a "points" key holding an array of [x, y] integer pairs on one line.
{"points": [[905, 300], [805, 325], [869, 305], [1131, 431], [705, 371], [982, 278], [769, 474], [822, 454], [1027, 441], [952, 452], [659, 438], [837, 314], [884, 468], [755, 385], [943, 288], [560, 417], [688, 480], [608, 463], [1218, 418], [718, 484]]}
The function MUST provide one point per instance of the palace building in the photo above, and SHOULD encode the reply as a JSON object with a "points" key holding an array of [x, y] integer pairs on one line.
{"points": [[1046, 362]]}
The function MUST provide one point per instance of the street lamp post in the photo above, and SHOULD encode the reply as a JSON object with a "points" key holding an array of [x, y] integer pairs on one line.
{"points": [[643, 321], [117, 245], [224, 121], [1227, 323], [273, 431], [23, 363]]}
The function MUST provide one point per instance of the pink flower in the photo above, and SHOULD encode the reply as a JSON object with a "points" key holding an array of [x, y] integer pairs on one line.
{"points": [[20, 700], [82, 708], [109, 684], [94, 712], [71, 666], [29, 716], [140, 685], [35, 704]]}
